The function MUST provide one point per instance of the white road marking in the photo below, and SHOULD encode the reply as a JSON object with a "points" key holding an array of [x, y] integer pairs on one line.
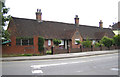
{"points": [[79, 71], [37, 71], [74, 62], [114, 69], [91, 60], [39, 66], [83, 61], [47, 65]]}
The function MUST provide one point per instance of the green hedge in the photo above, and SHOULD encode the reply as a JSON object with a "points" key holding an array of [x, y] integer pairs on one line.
{"points": [[116, 40], [107, 41], [40, 44]]}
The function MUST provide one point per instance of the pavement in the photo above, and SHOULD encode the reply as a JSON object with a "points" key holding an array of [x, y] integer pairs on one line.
{"points": [[60, 56]]}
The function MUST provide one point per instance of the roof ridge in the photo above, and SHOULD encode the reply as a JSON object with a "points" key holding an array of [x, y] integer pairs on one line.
{"points": [[58, 22]]}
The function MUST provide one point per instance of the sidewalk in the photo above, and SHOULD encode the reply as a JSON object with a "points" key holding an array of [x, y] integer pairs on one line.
{"points": [[60, 56]]}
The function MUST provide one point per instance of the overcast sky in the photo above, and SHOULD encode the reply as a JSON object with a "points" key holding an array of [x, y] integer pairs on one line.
{"points": [[90, 12]]}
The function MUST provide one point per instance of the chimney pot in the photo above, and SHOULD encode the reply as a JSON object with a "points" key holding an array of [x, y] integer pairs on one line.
{"points": [[39, 15], [76, 20], [101, 24]]}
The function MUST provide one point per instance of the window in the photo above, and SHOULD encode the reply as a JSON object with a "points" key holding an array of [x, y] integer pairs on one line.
{"points": [[49, 42], [93, 42], [62, 42], [30, 41], [77, 33], [24, 41], [18, 41], [76, 40]]}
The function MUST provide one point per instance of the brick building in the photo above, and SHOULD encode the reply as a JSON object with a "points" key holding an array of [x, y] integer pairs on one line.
{"points": [[25, 33], [116, 28]]}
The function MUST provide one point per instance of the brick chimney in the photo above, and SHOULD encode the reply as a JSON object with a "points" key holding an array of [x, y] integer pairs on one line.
{"points": [[101, 24], [39, 15], [76, 20]]}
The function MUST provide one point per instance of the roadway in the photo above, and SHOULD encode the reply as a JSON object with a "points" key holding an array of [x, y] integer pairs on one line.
{"points": [[106, 64]]}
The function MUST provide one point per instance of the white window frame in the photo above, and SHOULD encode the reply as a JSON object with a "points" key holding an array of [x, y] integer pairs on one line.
{"points": [[93, 42], [62, 42], [76, 40], [49, 42]]}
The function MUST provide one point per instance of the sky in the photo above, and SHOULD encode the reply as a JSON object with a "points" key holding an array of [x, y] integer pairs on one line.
{"points": [[90, 12]]}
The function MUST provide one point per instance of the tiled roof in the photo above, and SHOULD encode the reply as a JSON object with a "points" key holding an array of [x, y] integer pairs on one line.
{"points": [[116, 26], [51, 29]]}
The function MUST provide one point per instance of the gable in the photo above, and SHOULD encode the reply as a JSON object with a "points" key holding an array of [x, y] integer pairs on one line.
{"points": [[77, 35]]}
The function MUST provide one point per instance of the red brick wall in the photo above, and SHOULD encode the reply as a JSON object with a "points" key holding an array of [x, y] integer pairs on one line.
{"points": [[18, 49], [76, 36]]}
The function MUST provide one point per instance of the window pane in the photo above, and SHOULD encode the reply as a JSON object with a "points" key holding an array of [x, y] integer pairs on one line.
{"points": [[49, 42], [18, 41], [31, 41], [24, 42], [76, 40], [62, 42]]}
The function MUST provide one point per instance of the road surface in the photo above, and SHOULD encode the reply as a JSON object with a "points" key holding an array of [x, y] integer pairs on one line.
{"points": [[90, 65]]}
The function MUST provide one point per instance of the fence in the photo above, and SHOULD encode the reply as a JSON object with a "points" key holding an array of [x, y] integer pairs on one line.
{"points": [[81, 49]]}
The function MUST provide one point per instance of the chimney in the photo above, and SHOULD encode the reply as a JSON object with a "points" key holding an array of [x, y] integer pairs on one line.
{"points": [[39, 15], [101, 24], [76, 20]]}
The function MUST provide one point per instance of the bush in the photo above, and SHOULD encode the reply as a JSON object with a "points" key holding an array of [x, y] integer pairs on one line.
{"points": [[97, 44], [87, 43], [107, 41], [48, 52], [56, 42], [40, 43], [78, 42], [116, 40]]}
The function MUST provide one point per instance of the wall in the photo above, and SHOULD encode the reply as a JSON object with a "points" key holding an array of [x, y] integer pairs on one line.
{"points": [[76, 36], [18, 49]]}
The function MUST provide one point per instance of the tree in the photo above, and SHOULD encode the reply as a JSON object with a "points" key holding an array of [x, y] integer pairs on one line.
{"points": [[116, 40], [56, 42], [107, 41], [3, 13], [87, 43]]}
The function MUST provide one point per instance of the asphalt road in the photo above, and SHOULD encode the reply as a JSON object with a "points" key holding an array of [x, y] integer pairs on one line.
{"points": [[90, 65]]}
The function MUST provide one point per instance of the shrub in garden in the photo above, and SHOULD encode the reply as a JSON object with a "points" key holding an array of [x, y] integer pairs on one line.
{"points": [[78, 42], [116, 40], [87, 43], [107, 41], [56, 42], [48, 52], [97, 44]]}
